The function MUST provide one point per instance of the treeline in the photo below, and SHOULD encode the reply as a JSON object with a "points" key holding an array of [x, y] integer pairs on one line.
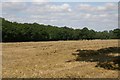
{"points": [[13, 32]]}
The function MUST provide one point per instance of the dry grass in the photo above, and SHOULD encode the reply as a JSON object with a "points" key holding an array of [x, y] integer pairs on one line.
{"points": [[53, 59]]}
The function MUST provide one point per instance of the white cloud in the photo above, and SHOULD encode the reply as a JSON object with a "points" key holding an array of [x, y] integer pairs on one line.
{"points": [[100, 8], [0, 9], [85, 7], [25, 0], [13, 5], [13, 0], [111, 6], [62, 13], [48, 9], [39, 0], [63, 7], [105, 7]]}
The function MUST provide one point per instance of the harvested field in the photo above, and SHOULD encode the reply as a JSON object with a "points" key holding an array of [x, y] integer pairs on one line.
{"points": [[53, 59]]}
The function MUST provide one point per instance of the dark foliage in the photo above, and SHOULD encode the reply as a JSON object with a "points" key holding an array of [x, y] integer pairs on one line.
{"points": [[102, 57], [16, 32]]}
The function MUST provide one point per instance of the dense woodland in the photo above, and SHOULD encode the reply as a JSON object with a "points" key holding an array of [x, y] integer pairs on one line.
{"points": [[17, 32]]}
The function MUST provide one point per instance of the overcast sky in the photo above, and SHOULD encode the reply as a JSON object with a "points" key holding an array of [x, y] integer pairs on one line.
{"points": [[94, 15]]}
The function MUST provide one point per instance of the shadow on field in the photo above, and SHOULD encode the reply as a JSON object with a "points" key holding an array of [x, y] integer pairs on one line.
{"points": [[108, 58]]}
